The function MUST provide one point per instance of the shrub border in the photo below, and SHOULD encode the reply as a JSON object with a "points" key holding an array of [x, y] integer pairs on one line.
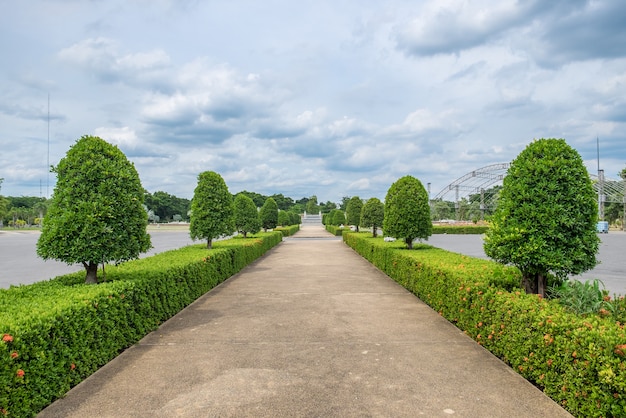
{"points": [[45, 353], [577, 361]]}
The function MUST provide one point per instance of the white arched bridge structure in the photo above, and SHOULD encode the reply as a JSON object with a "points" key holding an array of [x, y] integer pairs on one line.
{"points": [[481, 182]]}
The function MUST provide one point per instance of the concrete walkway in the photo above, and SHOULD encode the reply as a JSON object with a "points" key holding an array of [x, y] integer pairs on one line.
{"points": [[309, 330]]}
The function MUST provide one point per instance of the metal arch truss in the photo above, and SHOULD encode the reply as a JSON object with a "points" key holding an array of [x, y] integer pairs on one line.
{"points": [[607, 189], [474, 182]]}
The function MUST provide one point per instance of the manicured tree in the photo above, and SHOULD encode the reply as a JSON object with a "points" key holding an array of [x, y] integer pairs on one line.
{"points": [[373, 214], [246, 216], [269, 214], [96, 213], [353, 211], [336, 217], [294, 218], [407, 212], [283, 218], [211, 208], [545, 222]]}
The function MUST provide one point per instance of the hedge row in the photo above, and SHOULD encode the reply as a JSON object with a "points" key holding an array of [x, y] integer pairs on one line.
{"points": [[576, 360], [288, 230], [460, 229], [58, 332], [336, 230]]}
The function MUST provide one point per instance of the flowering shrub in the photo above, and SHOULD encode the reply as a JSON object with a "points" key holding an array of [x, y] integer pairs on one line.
{"points": [[576, 360], [58, 332]]}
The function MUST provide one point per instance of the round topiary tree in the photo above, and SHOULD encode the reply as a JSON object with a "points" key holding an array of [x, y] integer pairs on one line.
{"points": [[373, 214], [269, 214], [336, 217], [246, 215], [407, 213], [96, 213], [545, 221], [283, 218], [353, 212], [211, 208]]}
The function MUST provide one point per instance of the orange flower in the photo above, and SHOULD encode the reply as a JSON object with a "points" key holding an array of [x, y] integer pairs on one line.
{"points": [[7, 338], [72, 366], [14, 354], [20, 373]]}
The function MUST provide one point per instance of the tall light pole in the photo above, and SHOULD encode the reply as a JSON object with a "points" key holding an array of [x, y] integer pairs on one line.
{"points": [[623, 175], [600, 185]]}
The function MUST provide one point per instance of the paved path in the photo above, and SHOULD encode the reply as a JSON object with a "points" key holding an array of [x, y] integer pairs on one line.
{"points": [[309, 330]]}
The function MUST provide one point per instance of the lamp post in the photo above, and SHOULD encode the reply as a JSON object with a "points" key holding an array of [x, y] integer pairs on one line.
{"points": [[623, 175]]}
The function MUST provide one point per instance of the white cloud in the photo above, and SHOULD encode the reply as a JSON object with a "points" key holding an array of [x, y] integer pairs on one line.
{"points": [[102, 58], [124, 137], [262, 95]]}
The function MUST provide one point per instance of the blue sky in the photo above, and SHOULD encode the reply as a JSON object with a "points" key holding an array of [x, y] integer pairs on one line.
{"points": [[326, 98]]}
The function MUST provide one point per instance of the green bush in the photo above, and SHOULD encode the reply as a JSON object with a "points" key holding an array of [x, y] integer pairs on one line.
{"points": [[288, 230], [460, 229], [58, 332], [336, 230], [576, 360]]}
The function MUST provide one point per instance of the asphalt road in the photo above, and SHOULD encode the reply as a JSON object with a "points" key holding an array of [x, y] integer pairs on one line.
{"points": [[19, 263], [611, 270]]}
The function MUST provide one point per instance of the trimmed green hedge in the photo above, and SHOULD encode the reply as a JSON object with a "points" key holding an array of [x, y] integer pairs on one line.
{"points": [[577, 361], [58, 332], [288, 230], [460, 229], [336, 230]]}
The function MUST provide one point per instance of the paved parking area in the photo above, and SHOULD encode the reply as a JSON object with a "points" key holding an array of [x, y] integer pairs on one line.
{"points": [[611, 270], [19, 263]]}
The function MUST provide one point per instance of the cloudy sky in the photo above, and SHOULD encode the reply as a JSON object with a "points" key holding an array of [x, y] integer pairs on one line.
{"points": [[327, 98]]}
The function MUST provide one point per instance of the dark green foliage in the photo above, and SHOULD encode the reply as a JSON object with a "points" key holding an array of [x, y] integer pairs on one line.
{"points": [[269, 214], [373, 214], [283, 218], [545, 222], [167, 206], [311, 206], [576, 360], [61, 331], [96, 214], [407, 212], [336, 217], [294, 218], [246, 216], [211, 208], [353, 211], [257, 198]]}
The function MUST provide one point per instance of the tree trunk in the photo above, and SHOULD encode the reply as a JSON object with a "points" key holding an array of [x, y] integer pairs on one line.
{"points": [[542, 283], [409, 243], [92, 272], [534, 284], [209, 243], [374, 229]]}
